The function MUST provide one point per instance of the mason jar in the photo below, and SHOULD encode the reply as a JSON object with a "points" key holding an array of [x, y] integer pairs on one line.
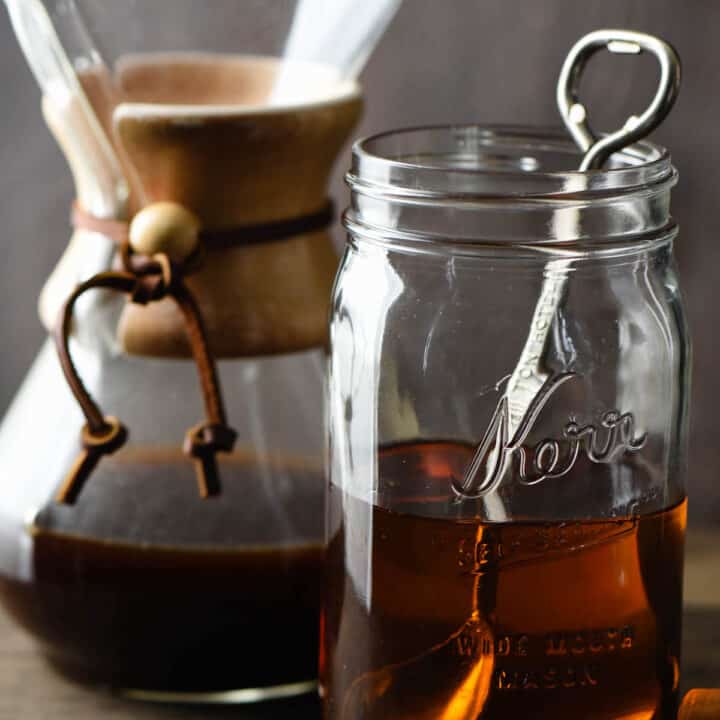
{"points": [[508, 412]]}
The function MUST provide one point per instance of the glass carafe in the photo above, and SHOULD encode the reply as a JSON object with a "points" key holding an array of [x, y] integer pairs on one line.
{"points": [[135, 580]]}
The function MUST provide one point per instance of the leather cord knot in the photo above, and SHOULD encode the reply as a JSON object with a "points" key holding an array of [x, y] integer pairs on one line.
{"points": [[202, 443], [155, 278], [208, 436], [95, 443], [146, 279]]}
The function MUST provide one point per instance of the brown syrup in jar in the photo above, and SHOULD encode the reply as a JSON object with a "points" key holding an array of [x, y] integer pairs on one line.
{"points": [[456, 619]]}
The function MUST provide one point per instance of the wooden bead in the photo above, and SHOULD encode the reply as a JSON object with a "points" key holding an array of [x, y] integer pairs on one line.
{"points": [[701, 705], [165, 227]]}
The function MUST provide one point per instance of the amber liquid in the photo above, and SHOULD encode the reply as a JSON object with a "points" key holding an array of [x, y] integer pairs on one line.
{"points": [[190, 617], [452, 619]]}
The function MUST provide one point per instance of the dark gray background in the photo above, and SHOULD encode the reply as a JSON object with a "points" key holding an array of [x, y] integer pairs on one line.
{"points": [[441, 61]]}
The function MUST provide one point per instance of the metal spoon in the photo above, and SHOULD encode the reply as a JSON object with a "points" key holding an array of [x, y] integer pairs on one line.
{"points": [[523, 391]]}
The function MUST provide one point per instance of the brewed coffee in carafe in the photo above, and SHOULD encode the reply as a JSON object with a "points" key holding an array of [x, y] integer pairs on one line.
{"points": [[162, 518]]}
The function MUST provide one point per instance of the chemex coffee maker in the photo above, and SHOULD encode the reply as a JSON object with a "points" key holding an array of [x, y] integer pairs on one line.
{"points": [[161, 523]]}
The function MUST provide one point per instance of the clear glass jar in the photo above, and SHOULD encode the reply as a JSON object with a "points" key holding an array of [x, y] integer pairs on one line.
{"points": [[508, 403]]}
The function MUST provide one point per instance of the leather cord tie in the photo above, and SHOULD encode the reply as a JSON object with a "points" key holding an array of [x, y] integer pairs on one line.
{"points": [[145, 279], [218, 239]]}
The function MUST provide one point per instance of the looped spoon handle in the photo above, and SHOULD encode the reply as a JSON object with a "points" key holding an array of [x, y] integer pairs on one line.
{"points": [[573, 112], [484, 474]]}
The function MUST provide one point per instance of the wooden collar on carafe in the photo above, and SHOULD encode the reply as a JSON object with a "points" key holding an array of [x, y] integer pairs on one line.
{"points": [[163, 243]]}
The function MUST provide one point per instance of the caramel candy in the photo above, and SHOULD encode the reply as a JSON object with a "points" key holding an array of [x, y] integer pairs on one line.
{"points": [[165, 227], [700, 705]]}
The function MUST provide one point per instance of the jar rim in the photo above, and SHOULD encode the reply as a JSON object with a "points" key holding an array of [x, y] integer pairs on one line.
{"points": [[455, 161], [506, 184]]}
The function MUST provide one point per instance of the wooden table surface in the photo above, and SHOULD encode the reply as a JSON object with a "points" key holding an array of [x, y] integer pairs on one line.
{"points": [[30, 691]]}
